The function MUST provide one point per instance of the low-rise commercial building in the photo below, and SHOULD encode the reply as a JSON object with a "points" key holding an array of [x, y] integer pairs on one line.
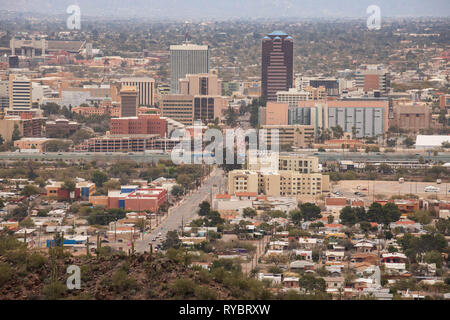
{"points": [[31, 144], [61, 128], [83, 190], [132, 198]]}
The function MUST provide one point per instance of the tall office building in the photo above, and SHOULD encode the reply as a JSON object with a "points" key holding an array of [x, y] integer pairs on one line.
{"points": [[277, 64], [201, 84], [4, 95], [187, 59], [128, 101], [145, 86], [20, 94]]}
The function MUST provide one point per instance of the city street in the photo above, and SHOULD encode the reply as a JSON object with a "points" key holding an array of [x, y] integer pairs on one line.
{"points": [[185, 211], [141, 157]]}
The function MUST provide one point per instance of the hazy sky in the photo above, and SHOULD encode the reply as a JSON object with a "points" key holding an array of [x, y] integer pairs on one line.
{"points": [[180, 9]]}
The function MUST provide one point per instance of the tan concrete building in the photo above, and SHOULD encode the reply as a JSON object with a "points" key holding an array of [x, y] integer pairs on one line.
{"points": [[178, 107], [286, 161], [411, 117], [298, 162], [275, 113], [298, 136], [201, 84], [278, 183], [31, 143], [27, 126], [145, 87], [242, 181], [187, 108]]}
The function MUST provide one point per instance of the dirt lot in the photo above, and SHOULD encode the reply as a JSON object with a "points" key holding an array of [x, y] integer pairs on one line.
{"points": [[390, 188]]}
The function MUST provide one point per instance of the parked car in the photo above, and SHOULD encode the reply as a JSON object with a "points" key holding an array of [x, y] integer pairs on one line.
{"points": [[431, 189]]}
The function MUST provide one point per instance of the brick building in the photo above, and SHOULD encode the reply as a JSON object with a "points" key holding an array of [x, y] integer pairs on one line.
{"points": [[132, 198], [143, 124], [60, 128]]}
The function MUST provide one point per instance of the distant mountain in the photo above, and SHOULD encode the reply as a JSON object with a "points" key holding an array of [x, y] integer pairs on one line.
{"points": [[188, 9]]}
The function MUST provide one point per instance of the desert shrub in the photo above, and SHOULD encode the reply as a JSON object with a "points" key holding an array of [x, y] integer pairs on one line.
{"points": [[18, 256], [183, 288], [5, 273], [204, 293], [204, 276], [54, 290], [36, 260], [121, 282]]}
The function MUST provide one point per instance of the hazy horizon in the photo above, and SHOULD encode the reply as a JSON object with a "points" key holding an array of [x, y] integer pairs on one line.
{"points": [[247, 9]]}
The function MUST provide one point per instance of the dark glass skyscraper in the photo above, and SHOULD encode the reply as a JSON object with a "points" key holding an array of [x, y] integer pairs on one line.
{"points": [[277, 64]]}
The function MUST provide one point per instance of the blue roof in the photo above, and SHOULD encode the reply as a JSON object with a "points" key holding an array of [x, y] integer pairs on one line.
{"points": [[278, 33], [277, 38], [288, 37], [266, 37]]}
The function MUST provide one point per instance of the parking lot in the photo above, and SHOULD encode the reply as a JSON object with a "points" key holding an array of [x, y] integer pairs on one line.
{"points": [[370, 188]]}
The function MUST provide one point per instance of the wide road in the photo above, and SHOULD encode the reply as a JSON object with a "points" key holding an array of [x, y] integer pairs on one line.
{"points": [[147, 158], [184, 211]]}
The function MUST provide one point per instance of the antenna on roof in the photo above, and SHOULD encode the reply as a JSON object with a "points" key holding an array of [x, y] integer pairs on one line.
{"points": [[186, 34]]}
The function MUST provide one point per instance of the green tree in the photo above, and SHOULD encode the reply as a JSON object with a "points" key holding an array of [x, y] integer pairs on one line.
{"points": [[311, 284], [408, 142], [310, 211], [348, 216], [99, 178], [172, 240], [433, 257], [375, 212], [205, 209], [184, 180], [16, 133], [391, 213], [69, 185], [249, 212], [338, 132], [296, 216], [30, 190], [177, 190], [80, 136]]}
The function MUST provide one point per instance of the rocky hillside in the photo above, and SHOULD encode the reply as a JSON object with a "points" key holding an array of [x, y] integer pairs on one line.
{"points": [[36, 276]]}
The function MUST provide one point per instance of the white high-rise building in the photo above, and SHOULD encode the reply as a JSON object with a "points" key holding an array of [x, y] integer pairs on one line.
{"points": [[187, 59], [20, 93], [145, 86]]}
